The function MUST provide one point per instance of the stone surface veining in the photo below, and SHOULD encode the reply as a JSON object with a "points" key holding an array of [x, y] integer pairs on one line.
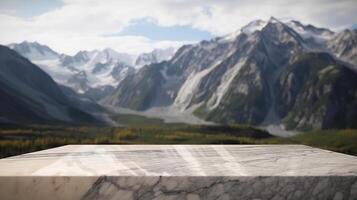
{"points": [[179, 172]]}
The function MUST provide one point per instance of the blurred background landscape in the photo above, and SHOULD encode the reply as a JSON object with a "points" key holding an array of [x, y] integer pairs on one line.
{"points": [[192, 72]]}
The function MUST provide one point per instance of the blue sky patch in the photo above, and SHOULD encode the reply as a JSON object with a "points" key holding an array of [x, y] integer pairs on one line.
{"points": [[152, 30], [29, 8]]}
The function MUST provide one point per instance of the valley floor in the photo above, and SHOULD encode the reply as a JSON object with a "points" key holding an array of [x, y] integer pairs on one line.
{"points": [[171, 115], [166, 114], [15, 140]]}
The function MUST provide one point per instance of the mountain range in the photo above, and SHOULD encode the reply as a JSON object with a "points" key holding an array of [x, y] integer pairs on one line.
{"points": [[288, 74], [91, 72], [268, 73]]}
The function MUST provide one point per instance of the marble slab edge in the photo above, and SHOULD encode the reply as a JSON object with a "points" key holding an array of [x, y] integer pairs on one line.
{"points": [[178, 187]]}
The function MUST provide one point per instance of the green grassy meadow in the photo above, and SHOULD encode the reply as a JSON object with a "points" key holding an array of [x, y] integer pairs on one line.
{"points": [[16, 140]]}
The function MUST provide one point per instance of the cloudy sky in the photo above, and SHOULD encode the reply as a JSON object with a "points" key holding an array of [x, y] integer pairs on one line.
{"points": [[135, 26]]}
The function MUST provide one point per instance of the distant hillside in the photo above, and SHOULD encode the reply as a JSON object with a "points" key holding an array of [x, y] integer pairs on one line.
{"points": [[29, 96]]}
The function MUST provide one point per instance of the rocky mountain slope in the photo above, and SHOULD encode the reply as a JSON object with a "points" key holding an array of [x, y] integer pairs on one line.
{"points": [[29, 96], [254, 76], [317, 91], [344, 46]]}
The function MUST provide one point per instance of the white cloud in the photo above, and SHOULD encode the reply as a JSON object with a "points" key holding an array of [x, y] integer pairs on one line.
{"points": [[81, 24]]}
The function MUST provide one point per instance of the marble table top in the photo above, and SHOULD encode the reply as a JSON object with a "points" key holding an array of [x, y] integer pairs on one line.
{"points": [[180, 160]]}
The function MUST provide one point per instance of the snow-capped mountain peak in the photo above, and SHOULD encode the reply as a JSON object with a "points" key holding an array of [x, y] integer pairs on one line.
{"points": [[34, 50], [155, 56], [310, 32], [253, 26], [274, 20], [231, 36], [115, 56]]}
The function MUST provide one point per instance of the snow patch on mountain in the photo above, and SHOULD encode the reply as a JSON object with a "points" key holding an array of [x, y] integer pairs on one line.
{"points": [[54, 68]]}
